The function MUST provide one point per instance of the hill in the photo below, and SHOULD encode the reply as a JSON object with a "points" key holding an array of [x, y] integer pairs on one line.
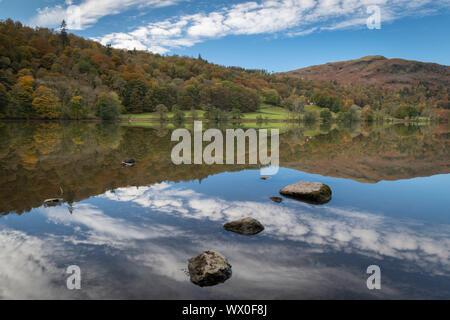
{"points": [[48, 74], [378, 71]]}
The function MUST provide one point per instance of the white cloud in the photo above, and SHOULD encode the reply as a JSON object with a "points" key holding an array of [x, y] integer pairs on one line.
{"points": [[290, 17], [26, 271], [103, 229], [88, 12], [339, 229]]}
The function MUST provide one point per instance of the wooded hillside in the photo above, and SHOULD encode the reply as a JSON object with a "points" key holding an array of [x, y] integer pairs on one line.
{"points": [[47, 74]]}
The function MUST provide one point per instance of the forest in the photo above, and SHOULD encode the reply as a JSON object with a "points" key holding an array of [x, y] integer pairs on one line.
{"points": [[84, 158], [53, 74]]}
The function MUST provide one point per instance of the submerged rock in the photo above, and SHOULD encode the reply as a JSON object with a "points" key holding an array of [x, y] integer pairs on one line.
{"points": [[276, 199], [129, 162], [311, 192], [246, 226], [209, 269]]}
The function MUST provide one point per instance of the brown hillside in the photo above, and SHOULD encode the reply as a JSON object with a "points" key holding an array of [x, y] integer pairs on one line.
{"points": [[378, 70]]}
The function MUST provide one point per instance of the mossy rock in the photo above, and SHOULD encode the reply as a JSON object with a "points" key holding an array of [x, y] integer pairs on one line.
{"points": [[310, 192], [247, 226]]}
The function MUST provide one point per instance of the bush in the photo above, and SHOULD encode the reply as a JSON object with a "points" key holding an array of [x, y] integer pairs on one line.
{"points": [[405, 111], [108, 106], [178, 114], [162, 110], [236, 114], [326, 115], [349, 116], [311, 116]]}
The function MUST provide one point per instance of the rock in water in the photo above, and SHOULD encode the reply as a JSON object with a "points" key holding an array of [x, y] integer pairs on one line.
{"points": [[246, 226], [53, 202], [209, 269], [311, 192], [265, 178], [276, 199], [129, 162]]}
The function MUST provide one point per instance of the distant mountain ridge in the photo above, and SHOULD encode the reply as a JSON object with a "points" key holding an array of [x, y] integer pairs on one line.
{"points": [[378, 71]]}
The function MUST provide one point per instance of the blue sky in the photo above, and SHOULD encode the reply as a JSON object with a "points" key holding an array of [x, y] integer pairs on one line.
{"points": [[276, 35]]}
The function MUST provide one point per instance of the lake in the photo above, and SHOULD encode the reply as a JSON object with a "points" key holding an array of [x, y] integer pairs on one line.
{"points": [[132, 231]]}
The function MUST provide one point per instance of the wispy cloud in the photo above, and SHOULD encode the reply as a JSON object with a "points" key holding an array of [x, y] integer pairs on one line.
{"points": [[89, 12], [288, 17]]}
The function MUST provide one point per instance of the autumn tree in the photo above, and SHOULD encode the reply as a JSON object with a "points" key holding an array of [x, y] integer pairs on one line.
{"points": [[77, 108], [368, 114], [23, 97], [295, 104], [45, 104]]}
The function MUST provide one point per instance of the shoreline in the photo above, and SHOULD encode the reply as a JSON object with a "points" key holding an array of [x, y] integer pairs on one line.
{"points": [[212, 121]]}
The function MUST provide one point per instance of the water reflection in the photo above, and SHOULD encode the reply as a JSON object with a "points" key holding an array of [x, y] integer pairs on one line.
{"points": [[37, 160], [132, 231]]}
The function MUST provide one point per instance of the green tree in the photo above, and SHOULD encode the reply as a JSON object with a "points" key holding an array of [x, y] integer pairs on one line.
{"points": [[4, 101], [136, 98], [64, 37], [405, 111], [326, 115], [161, 110], [271, 96], [108, 106], [236, 114], [178, 114], [349, 116], [109, 50], [45, 104], [311, 116]]}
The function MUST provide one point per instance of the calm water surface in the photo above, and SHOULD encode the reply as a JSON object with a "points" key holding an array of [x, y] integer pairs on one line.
{"points": [[131, 231]]}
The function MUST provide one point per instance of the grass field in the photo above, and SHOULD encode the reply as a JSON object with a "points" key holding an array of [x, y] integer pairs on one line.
{"points": [[266, 112], [154, 115], [282, 126]]}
